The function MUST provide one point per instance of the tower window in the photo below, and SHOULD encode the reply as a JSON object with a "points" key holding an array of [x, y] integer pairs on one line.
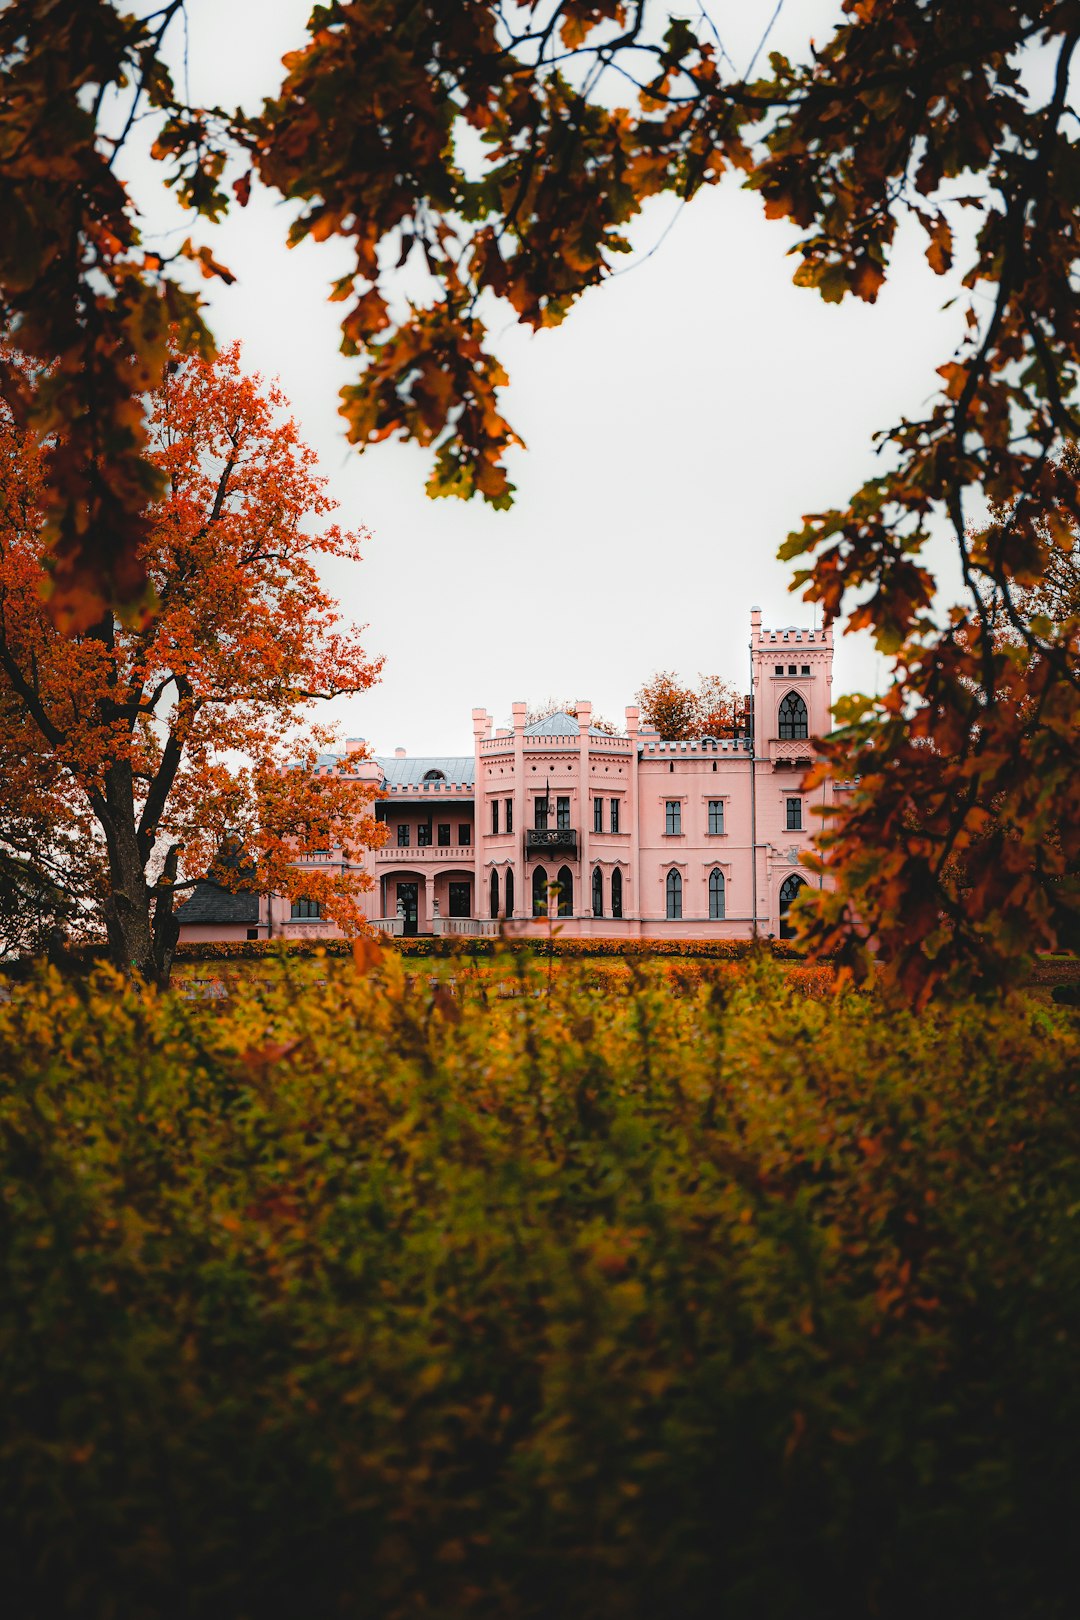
{"points": [[794, 815], [794, 722]]}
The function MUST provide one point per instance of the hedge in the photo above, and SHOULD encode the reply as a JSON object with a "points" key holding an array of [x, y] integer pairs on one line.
{"points": [[539, 944], [375, 1300]]}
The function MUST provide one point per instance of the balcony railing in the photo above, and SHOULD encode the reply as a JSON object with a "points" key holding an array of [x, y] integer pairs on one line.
{"points": [[545, 840], [409, 854]]}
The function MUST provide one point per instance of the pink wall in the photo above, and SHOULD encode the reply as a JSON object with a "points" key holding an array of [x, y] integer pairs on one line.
{"points": [[642, 775]]}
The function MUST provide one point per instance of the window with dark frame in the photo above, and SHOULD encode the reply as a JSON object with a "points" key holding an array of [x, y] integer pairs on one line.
{"points": [[716, 893], [460, 899], [510, 891], [540, 814], [494, 895], [778, 669], [597, 892], [305, 909], [716, 815], [494, 815], [423, 835], [805, 669], [674, 896], [673, 818], [403, 834], [509, 815], [794, 815], [616, 893], [464, 833], [562, 814], [444, 833], [539, 892], [614, 815], [794, 722], [565, 880], [598, 815]]}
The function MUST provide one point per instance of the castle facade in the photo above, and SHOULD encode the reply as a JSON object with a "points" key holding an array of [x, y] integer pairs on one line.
{"points": [[615, 835]]}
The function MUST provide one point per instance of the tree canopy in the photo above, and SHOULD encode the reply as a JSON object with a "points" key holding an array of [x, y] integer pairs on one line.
{"points": [[710, 709], [955, 117], [166, 743]]}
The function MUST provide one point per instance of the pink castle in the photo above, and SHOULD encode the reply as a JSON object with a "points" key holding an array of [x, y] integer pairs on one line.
{"points": [[622, 836]]}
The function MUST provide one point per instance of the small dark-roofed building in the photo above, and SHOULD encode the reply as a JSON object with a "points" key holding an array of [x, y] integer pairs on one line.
{"points": [[211, 912]]}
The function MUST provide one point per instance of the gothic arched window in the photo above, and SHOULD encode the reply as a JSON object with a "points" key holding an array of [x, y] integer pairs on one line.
{"points": [[616, 893], [494, 894], [565, 880], [789, 889], [509, 891], [597, 892], [716, 893], [793, 717], [540, 894], [674, 895]]}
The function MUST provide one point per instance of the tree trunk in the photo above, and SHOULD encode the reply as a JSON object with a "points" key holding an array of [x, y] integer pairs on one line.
{"points": [[127, 909]]}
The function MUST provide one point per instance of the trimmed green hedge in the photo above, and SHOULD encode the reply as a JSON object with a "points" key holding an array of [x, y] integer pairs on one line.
{"points": [[539, 944], [375, 1300]]}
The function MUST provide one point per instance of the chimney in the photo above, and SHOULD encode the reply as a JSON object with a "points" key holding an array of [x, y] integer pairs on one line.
{"points": [[399, 753]]}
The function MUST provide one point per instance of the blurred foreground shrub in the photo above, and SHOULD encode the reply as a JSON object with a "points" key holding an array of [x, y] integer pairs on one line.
{"points": [[377, 1299]]}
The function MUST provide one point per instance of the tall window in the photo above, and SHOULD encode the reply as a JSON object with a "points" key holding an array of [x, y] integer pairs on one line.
{"points": [[616, 893], [510, 892], [716, 893], [793, 718], [614, 815], [562, 813], [540, 814], [794, 815], [494, 894], [460, 899], [509, 815], [306, 909], [673, 820], [494, 815], [423, 834], [565, 880], [598, 815], [716, 815], [674, 895], [597, 892], [444, 832], [540, 894], [464, 832], [403, 834], [788, 891]]}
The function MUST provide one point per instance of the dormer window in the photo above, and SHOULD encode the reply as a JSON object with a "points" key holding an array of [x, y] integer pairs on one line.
{"points": [[434, 776]]}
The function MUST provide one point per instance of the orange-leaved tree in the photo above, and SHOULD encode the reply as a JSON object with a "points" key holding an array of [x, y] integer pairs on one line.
{"points": [[955, 118], [708, 710], [182, 737]]}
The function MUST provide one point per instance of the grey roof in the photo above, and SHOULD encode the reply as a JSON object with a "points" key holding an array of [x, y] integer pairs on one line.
{"points": [[210, 903], [561, 724], [458, 769]]}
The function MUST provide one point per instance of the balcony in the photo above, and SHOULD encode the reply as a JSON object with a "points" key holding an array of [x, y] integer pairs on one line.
{"points": [[425, 854], [551, 840], [788, 753]]}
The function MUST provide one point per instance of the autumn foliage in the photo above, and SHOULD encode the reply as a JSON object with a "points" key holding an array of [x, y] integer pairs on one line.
{"points": [[954, 118], [162, 745], [509, 1298], [713, 708]]}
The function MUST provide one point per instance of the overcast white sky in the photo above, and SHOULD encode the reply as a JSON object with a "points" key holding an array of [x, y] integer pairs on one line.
{"points": [[678, 425]]}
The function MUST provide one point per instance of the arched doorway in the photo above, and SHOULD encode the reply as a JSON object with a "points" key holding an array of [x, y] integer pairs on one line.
{"points": [[788, 890], [565, 880]]}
